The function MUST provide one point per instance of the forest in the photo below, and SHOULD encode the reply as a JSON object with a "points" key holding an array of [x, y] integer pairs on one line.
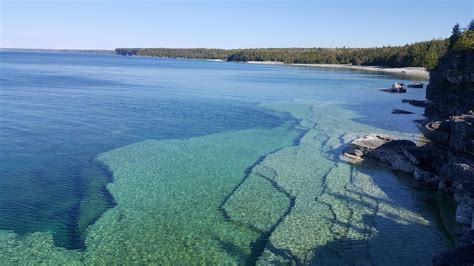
{"points": [[419, 54]]}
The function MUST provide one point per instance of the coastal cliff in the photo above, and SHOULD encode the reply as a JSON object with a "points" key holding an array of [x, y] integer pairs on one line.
{"points": [[447, 160], [451, 89], [451, 131], [450, 156]]}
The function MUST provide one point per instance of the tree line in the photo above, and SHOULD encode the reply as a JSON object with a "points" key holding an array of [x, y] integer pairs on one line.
{"points": [[462, 39], [188, 53], [422, 54], [419, 54]]}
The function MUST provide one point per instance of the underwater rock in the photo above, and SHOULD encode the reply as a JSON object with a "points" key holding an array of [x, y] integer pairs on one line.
{"points": [[402, 112], [420, 121], [417, 103], [416, 85]]}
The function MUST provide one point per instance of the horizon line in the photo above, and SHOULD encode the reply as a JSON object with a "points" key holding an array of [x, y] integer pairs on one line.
{"points": [[269, 47]]}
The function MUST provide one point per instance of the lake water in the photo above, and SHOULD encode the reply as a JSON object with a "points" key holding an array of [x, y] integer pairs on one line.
{"points": [[138, 160]]}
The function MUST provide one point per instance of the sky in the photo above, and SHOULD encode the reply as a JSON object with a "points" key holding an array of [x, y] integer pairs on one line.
{"points": [[108, 24]]}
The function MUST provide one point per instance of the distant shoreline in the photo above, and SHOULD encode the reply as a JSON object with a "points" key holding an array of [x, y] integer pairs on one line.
{"points": [[409, 71], [82, 51], [418, 72]]}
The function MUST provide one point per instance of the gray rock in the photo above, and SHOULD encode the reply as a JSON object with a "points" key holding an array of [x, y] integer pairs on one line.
{"points": [[462, 132], [470, 148], [462, 256], [412, 155], [398, 162], [420, 121], [367, 143], [451, 86], [442, 185], [461, 170], [417, 85], [396, 88], [422, 175], [418, 103], [382, 148], [401, 112], [464, 214], [451, 96], [437, 131], [434, 180]]}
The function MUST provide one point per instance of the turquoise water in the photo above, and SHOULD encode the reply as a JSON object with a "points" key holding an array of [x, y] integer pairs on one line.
{"points": [[140, 160]]}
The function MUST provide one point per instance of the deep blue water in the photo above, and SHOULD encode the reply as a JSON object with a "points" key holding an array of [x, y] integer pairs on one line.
{"points": [[58, 111]]}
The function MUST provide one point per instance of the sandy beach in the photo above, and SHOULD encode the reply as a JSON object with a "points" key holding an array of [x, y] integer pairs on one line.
{"points": [[410, 71]]}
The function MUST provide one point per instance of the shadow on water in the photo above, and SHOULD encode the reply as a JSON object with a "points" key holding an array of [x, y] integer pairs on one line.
{"points": [[393, 232], [358, 252], [94, 200], [230, 248], [380, 115], [258, 246], [263, 241], [403, 191]]}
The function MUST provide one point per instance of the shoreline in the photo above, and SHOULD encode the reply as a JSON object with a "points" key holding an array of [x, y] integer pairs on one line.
{"points": [[410, 71], [419, 72]]}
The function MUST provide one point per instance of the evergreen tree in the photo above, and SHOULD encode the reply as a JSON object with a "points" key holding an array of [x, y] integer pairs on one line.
{"points": [[456, 35], [471, 26]]}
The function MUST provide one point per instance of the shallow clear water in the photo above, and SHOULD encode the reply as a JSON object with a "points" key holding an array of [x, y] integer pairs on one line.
{"points": [[116, 159]]}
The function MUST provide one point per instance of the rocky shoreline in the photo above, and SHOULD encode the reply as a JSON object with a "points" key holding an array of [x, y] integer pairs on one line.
{"points": [[447, 160]]}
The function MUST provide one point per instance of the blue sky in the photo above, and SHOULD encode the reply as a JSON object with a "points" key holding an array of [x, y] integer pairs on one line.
{"points": [[106, 24]]}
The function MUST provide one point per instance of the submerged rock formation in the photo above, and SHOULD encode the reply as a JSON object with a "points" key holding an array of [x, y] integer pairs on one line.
{"points": [[401, 112], [418, 103]]}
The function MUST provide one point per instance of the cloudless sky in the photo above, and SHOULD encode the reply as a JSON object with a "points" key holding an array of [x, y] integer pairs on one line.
{"points": [[107, 24]]}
